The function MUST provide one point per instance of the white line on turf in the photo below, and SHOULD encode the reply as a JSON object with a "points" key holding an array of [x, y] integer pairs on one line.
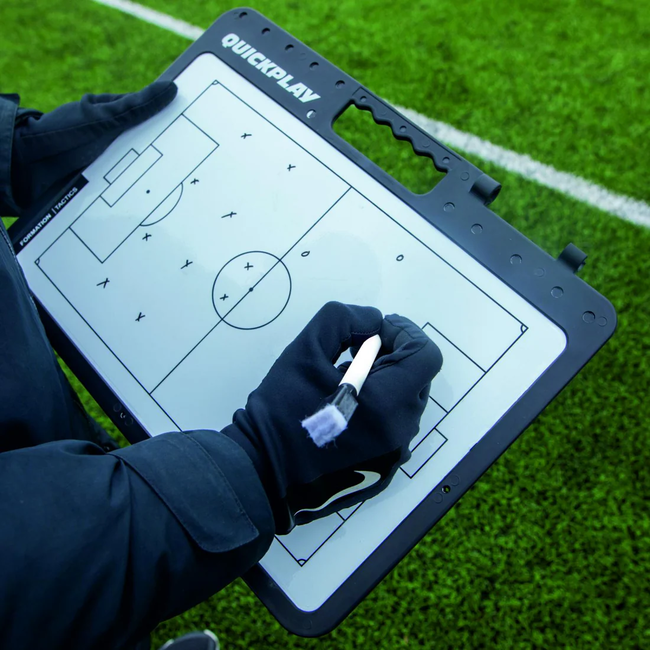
{"points": [[154, 17], [576, 187]]}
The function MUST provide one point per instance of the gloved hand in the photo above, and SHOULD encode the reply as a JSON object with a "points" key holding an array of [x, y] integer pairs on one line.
{"points": [[302, 481], [49, 148]]}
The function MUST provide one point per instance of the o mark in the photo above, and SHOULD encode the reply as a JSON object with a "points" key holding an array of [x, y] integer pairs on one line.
{"points": [[304, 254], [399, 258]]}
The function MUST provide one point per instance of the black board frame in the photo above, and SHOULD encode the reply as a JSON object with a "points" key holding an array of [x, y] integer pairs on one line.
{"points": [[587, 318]]}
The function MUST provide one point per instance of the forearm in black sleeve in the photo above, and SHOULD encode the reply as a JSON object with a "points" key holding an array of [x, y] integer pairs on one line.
{"points": [[98, 548], [8, 108]]}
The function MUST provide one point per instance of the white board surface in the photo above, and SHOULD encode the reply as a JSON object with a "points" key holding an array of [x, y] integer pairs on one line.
{"points": [[208, 237]]}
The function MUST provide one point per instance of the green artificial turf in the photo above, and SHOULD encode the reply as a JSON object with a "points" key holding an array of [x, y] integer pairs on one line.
{"points": [[564, 81], [551, 548]]}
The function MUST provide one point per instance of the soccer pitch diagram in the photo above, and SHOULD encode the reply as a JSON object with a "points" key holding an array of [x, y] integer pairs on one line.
{"points": [[549, 101], [209, 242]]}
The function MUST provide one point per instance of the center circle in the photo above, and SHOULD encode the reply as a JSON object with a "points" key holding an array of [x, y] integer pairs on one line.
{"points": [[232, 292]]}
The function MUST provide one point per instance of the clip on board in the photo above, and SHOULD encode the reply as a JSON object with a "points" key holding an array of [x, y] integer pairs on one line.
{"points": [[143, 267]]}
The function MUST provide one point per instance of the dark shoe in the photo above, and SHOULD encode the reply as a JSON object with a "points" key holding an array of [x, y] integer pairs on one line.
{"points": [[205, 640]]}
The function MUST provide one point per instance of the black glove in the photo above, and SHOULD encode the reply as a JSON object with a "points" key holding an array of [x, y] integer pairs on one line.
{"points": [[49, 148], [304, 482]]}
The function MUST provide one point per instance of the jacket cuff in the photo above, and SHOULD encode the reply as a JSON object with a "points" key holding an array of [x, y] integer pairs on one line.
{"points": [[8, 108], [209, 484]]}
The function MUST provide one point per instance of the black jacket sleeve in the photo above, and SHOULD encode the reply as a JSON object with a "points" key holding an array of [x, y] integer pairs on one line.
{"points": [[8, 112], [98, 548]]}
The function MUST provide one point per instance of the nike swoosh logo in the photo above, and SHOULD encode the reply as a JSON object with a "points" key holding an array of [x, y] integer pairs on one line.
{"points": [[369, 479]]}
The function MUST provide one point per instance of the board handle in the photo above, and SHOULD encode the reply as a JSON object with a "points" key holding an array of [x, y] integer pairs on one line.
{"points": [[445, 160], [317, 92]]}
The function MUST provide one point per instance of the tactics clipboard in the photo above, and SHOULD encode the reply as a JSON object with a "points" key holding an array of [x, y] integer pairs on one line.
{"points": [[214, 232]]}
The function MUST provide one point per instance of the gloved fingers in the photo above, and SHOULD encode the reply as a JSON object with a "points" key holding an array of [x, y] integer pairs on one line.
{"points": [[28, 187], [128, 110], [77, 159], [80, 124], [105, 98], [343, 367], [334, 329], [408, 347], [396, 330]]}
